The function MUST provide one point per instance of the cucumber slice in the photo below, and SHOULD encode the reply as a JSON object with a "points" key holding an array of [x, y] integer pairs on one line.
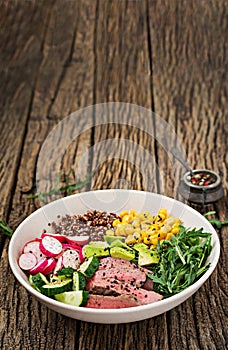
{"points": [[50, 289], [79, 281], [76, 298], [38, 280], [55, 278], [90, 266]]}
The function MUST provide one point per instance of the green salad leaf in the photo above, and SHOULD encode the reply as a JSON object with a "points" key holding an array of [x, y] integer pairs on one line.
{"points": [[182, 261]]}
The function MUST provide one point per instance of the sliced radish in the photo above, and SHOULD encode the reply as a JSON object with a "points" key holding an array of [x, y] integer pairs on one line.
{"points": [[60, 238], [78, 240], [59, 265], [75, 247], [39, 267], [71, 259], [27, 261], [50, 266], [50, 246], [34, 247]]}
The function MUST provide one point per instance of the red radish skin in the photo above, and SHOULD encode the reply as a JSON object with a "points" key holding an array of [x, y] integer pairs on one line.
{"points": [[71, 259], [60, 238], [39, 267], [50, 266], [71, 246], [50, 246], [27, 261], [78, 240], [34, 247], [59, 265]]}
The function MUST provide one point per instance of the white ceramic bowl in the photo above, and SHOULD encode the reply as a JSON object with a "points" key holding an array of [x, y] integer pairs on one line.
{"points": [[110, 201]]}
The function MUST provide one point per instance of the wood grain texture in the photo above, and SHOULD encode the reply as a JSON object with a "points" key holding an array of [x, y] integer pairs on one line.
{"points": [[123, 75], [189, 87], [60, 56]]}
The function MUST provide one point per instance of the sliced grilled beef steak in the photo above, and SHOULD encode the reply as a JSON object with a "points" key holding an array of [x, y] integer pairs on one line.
{"points": [[110, 302], [132, 276], [109, 262], [115, 287]]}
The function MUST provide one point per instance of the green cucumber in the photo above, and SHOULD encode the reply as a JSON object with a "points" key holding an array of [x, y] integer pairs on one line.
{"points": [[75, 298], [89, 266], [37, 281], [50, 289], [65, 272], [55, 278], [79, 281]]}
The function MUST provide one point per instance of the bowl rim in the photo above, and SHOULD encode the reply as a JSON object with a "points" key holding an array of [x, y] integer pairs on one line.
{"points": [[164, 302]]}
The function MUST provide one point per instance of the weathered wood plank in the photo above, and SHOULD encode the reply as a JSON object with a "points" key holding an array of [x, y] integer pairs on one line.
{"points": [[19, 52], [58, 90], [123, 75], [188, 58]]}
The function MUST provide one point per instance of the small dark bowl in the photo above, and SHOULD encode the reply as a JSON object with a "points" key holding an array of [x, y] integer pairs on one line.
{"points": [[201, 194]]}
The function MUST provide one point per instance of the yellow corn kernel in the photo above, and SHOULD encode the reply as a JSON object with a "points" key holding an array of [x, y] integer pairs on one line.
{"points": [[162, 216], [166, 228], [154, 241], [144, 234], [127, 218], [110, 233], [161, 235], [123, 213], [163, 211], [146, 240], [130, 240], [175, 230], [116, 222], [133, 212], [129, 229], [140, 239], [120, 231], [154, 226], [169, 235]]}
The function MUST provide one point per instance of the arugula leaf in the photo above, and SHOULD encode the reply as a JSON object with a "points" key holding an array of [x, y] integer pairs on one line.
{"points": [[5, 229], [182, 261]]}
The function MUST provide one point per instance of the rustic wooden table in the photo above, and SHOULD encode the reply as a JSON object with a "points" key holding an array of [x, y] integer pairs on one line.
{"points": [[56, 57]]}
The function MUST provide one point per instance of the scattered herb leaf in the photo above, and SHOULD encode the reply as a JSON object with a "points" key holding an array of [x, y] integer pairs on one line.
{"points": [[68, 188], [5, 229], [215, 221]]}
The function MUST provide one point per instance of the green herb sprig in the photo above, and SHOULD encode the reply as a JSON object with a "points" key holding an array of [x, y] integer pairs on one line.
{"points": [[182, 261], [215, 221], [68, 188], [5, 229]]}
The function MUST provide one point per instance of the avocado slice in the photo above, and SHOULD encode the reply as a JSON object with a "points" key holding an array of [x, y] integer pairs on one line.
{"points": [[120, 244], [140, 247], [111, 239], [121, 253], [146, 256], [97, 248]]}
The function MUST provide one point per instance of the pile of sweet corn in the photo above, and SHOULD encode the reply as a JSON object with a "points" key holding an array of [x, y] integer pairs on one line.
{"points": [[146, 228]]}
